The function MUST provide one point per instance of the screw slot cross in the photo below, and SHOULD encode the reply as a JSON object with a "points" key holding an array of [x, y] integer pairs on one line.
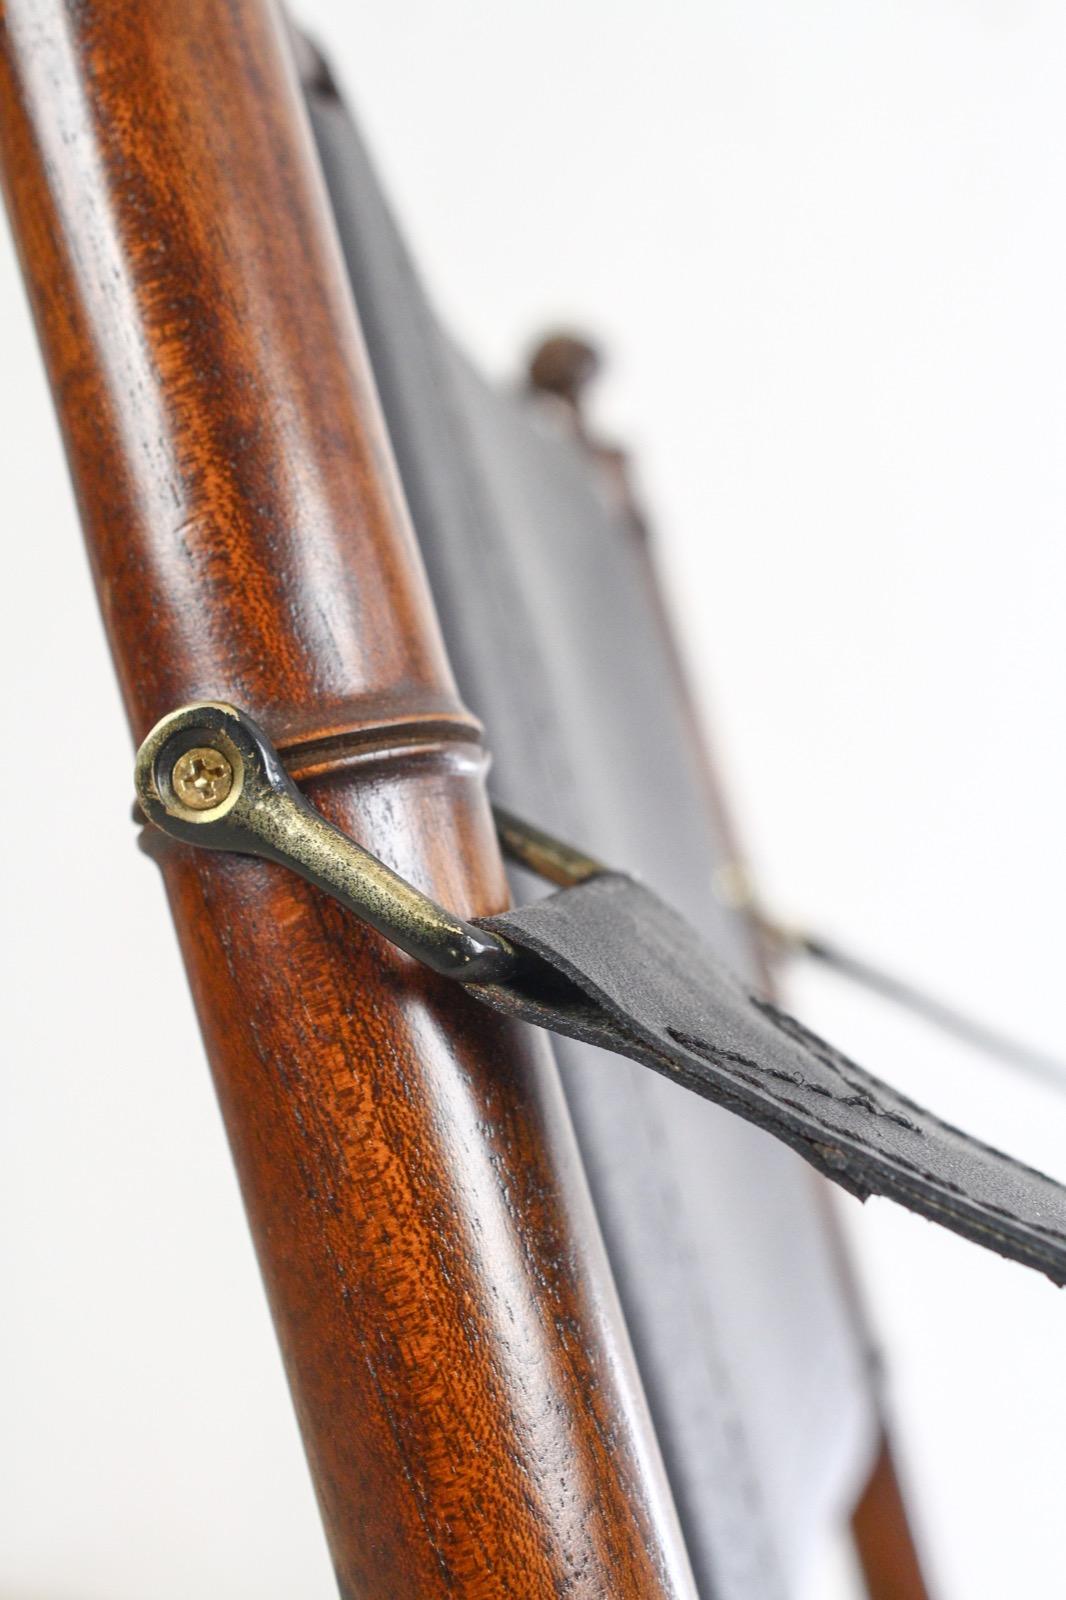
{"points": [[202, 779]]}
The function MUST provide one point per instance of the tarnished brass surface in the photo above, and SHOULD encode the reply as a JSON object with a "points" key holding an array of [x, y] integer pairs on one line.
{"points": [[541, 852], [256, 809]]}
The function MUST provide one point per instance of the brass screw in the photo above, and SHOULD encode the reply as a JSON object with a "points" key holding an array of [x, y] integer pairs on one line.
{"points": [[202, 779]]}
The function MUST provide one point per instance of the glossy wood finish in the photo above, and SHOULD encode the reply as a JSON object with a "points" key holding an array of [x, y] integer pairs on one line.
{"points": [[463, 1383]]}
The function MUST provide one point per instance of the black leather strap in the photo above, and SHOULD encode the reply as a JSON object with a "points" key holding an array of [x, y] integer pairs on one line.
{"points": [[608, 962], [619, 968]]}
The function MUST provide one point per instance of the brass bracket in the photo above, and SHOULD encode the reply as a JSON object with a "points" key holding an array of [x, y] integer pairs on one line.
{"points": [[208, 775]]}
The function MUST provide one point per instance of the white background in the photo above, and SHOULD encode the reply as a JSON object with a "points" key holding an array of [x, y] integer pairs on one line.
{"points": [[824, 244]]}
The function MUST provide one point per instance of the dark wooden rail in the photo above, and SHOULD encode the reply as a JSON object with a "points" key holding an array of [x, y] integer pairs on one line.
{"points": [[462, 1380]]}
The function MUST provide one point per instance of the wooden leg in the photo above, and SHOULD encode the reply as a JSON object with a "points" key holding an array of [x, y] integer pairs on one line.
{"points": [[883, 1537]]}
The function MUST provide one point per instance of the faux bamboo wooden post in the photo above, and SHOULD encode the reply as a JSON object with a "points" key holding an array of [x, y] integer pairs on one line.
{"points": [[451, 1337]]}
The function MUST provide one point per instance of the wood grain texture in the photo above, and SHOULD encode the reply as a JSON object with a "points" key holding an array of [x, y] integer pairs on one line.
{"points": [[463, 1383]]}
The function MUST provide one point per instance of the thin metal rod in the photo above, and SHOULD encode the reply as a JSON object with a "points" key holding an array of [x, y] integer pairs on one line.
{"points": [[930, 1008], [541, 852]]}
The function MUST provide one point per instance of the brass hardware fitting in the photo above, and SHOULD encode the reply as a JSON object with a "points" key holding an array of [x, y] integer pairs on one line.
{"points": [[208, 775], [202, 778]]}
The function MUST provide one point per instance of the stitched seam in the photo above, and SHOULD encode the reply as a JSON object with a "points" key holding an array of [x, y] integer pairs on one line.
{"points": [[860, 1098], [701, 1085], [833, 1055], [829, 1057]]}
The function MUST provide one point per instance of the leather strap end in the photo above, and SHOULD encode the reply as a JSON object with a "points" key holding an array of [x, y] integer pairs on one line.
{"points": [[617, 967]]}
